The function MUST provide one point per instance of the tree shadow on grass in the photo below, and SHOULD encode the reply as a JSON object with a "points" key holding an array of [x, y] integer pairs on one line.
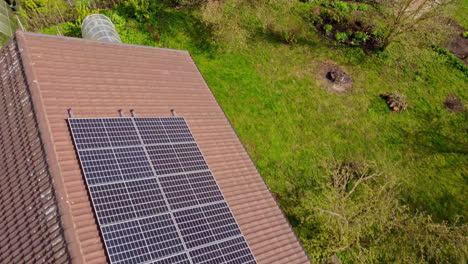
{"points": [[172, 22], [435, 137], [169, 24], [441, 196]]}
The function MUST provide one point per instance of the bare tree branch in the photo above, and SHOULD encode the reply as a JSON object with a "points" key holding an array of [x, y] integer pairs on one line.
{"points": [[335, 214], [361, 180]]}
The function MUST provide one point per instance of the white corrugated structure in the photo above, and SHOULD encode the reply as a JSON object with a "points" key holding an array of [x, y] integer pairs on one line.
{"points": [[99, 27]]}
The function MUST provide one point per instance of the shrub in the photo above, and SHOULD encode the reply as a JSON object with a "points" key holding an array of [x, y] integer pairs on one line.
{"points": [[329, 16], [141, 9], [359, 37], [341, 36], [358, 217], [327, 28], [465, 34], [362, 7], [341, 6], [82, 9]]}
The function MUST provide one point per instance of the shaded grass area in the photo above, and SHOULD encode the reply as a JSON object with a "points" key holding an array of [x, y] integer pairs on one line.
{"points": [[459, 13], [293, 128]]}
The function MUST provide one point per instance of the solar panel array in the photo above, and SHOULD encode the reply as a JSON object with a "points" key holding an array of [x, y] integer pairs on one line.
{"points": [[154, 196]]}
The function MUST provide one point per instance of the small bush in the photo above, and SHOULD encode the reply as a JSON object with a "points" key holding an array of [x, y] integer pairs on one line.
{"points": [[83, 9], [362, 7], [141, 9], [341, 36], [327, 28], [329, 16], [359, 38], [353, 6], [465, 34], [341, 6]]}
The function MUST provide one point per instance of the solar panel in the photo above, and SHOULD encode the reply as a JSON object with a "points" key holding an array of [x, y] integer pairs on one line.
{"points": [[155, 198]]}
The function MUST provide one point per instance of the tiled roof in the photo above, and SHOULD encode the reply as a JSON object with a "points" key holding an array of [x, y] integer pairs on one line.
{"points": [[30, 224], [96, 80]]}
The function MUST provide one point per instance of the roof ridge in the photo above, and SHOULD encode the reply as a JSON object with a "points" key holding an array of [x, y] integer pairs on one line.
{"points": [[100, 42]]}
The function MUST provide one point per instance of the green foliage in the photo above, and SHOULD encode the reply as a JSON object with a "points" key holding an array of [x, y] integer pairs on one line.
{"points": [[83, 9], [140, 9], [452, 60], [341, 6], [359, 38], [465, 34], [341, 36], [331, 16], [235, 21], [349, 18], [358, 217], [327, 28], [38, 14], [362, 7]]}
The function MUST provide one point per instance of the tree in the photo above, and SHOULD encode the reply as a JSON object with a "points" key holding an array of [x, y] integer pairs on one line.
{"points": [[359, 218], [402, 16]]}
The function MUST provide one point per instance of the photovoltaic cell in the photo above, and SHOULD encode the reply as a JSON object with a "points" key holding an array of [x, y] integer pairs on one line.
{"points": [[112, 203], [133, 163], [232, 251], [221, 221], [147, 197], [190, 157], [152, 130], [161, 236], [178, 191], [89, 133], [100, 166], [125, 243], [204, 186], [164, 159], [177, 259], [177, 130], [236, 251], [154, 196], [121, 132], [194, 227]]}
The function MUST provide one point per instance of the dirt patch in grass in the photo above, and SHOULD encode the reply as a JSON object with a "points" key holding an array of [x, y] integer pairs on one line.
{"points": [[334, 78], [454, 103], [459, 44]]}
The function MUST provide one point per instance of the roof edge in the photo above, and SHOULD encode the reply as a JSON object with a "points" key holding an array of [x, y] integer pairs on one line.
{"points": [[291, 229], [101, 42], [51, 157]]}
